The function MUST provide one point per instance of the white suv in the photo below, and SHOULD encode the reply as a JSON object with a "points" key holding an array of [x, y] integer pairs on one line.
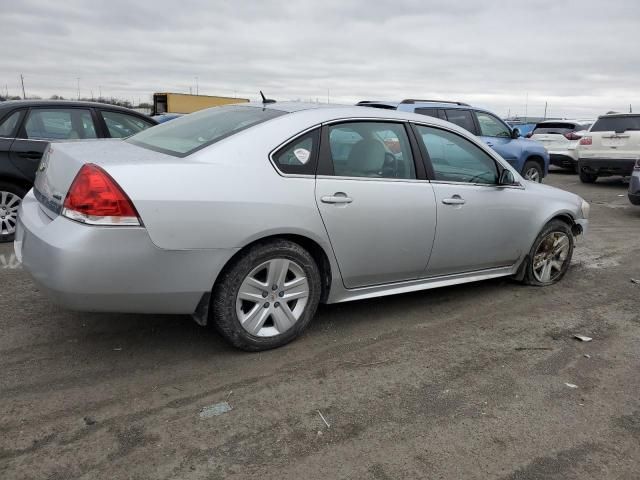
{"points": [[560, 138], [611, 147]]}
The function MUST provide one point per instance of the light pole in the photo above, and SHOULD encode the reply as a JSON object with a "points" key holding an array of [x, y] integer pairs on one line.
{"points": [[197, 89], [78, 79]]}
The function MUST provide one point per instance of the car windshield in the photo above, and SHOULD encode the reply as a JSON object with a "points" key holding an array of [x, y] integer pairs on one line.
{"points": [[186, 135], [620, 123]]}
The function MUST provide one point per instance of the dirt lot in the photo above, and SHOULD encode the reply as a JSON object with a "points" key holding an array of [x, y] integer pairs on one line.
{"points": [[465, 382]]}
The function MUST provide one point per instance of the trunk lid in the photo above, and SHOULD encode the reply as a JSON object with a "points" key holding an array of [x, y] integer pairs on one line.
{"points": [[62, 161]]}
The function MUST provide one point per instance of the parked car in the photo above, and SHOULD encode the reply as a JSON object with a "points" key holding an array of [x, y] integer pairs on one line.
{"points": [[26, 127], [611, 147], [248, 216], [529, 158], [634, 184], [560, 138]]}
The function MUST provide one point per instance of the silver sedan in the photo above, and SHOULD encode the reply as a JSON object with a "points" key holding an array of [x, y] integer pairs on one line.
{"points": [[249, 216]]}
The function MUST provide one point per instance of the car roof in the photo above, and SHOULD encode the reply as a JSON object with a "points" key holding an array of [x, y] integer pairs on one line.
{"points": [[63, 103], [323, 112], [615, 114]]}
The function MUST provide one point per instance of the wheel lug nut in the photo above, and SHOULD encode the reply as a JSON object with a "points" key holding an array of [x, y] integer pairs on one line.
{"points": [[275, 287], [277, 304], [281, 294], [264, 294], [266, 305]]}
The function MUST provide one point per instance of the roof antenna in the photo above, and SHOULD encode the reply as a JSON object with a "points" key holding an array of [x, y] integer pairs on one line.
{"points": [[266, 100]]}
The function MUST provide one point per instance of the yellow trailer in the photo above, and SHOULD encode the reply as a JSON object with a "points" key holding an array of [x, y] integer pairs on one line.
{"points": [[185, 103]]}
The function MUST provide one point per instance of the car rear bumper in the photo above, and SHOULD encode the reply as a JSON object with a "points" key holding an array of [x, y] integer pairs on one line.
{"points": [[563, 159], [607, 166], [111, 269]]}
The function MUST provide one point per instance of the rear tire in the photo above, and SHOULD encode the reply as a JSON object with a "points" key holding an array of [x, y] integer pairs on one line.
{"points": [[255, 317], [550, 255], [11, 196], [532, 171], [586, 177]]}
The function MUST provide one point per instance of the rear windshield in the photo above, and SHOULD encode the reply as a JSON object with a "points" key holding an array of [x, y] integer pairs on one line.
{"points": [[559, 128], [617, 124], [190, 133]]}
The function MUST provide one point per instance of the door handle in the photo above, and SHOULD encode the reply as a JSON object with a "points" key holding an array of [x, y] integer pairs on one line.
{"points": [[32, 155], [454, 200], [490, 144], [338, 197]]}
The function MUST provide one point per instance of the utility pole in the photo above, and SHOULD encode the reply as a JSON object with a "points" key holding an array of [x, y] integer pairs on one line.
{"points": [[545, 110], [630, 110], [24, 96], [78, 79], [327, 95], [197, 88], [99, 91]]}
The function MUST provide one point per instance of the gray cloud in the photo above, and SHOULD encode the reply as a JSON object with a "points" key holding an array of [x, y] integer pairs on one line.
{"points": [[580, 56]]}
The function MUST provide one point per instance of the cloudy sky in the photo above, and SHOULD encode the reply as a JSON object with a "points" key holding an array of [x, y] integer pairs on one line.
{"points": [[582, 57]]}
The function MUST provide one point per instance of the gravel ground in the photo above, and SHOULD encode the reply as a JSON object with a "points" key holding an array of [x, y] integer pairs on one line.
{"points": [[463, 382]]}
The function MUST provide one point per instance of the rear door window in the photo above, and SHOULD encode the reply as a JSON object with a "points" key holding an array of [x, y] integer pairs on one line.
{"points": [[617, 124], [371, 149], [121, 125], [430, 112], [59, 124], [462, 118]]}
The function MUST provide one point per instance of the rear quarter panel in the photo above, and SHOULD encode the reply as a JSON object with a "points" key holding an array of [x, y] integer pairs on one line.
{"points": [[224, 196]]}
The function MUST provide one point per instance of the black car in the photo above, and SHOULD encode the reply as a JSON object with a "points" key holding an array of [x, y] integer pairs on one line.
{"points": [[27, 127]]}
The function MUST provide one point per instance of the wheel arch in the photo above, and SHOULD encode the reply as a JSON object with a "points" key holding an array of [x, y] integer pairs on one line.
{"points": [[201, 314], [534, 157]]}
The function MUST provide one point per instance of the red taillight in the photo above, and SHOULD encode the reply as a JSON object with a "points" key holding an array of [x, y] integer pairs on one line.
{"points": [[585, 141], [572, 136], [95, 198]]}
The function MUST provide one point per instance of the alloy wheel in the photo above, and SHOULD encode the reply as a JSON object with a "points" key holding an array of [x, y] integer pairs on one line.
{"points": [[550, 257], [532, 174], [272, 297], [9, 204]]}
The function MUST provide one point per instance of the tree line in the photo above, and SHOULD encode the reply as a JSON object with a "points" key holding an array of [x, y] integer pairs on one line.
{"points": [[108, 101]]}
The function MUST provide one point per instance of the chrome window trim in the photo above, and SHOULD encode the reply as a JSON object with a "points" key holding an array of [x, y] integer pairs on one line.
{"points": [[519, 186], [373, 179]]}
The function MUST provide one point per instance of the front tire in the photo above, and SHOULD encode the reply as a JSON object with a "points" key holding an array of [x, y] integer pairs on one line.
{"points": [[532, 171], [267, 297], [550, 255], [11, 196]]}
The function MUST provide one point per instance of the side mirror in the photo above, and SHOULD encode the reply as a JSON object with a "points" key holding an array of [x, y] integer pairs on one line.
{"points": [[515, 133], [506, 178]]}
